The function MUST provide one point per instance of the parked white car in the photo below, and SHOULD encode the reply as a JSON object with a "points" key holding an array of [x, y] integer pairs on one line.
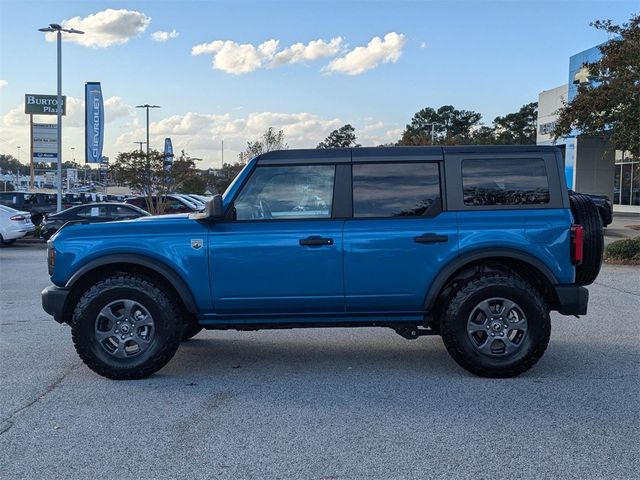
{"points": [[14, 224]]}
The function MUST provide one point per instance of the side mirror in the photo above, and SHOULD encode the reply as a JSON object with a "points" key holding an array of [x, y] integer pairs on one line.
{"points": [[213, 210]]}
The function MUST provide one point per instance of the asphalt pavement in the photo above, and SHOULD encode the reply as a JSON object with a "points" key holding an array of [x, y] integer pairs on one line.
{"points": [[319, 404]]}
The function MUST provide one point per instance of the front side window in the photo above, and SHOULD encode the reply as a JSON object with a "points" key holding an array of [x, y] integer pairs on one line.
{"points": [[396, 189], [505, 181], [291, 192]]}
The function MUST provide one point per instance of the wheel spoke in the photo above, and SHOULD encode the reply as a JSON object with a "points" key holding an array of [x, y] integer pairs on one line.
{"points": [[120, 352], [486, 346], [102, 336], [485, 307], [507, 306], [129, 308], [108, 314], [473, 327]]}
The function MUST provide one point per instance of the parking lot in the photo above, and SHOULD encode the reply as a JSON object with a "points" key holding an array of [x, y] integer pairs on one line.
{"points": [[319, 404]]}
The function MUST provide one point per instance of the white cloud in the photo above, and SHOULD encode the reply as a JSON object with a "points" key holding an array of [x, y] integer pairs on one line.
{"points": [[235, 58], [299, 52], [105, 28], [423, 45], [377, 51], [3, 83], [115, 108], [164, 36]]}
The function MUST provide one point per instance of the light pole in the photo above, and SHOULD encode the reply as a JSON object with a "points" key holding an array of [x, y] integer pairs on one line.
{"points": [[54, 27], [140, 143], [18, 170], [147, 106]]}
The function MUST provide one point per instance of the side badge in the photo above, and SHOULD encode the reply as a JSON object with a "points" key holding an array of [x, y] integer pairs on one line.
{"points": [[196, 243]]}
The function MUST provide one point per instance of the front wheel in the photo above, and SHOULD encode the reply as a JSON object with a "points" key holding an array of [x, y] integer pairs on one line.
{"points": [[496, 326], [126, 327]]}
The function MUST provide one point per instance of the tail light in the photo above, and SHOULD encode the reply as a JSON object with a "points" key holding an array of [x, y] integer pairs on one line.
{"points": [[51, 259], [17, 218], [577, 244]]}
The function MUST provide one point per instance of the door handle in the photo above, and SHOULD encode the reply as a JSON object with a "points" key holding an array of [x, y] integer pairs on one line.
{"points": [[316, 241], [431, 238]]}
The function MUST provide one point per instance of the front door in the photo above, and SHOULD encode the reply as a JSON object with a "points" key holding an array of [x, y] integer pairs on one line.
{"points": [[282, 252]]}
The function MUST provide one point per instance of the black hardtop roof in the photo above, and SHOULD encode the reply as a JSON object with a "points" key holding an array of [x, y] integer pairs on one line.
{"points": [[360, 154]]}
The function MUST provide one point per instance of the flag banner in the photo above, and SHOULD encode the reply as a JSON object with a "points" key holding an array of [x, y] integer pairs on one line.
{"points": [[168, 154], [94, 122]]}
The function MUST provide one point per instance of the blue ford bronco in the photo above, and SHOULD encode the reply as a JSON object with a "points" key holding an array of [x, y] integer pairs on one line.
{"points": [[475, 244]]}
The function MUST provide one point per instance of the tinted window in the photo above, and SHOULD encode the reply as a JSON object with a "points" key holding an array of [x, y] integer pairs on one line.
{"points": [[303, 191], [505, 182], [119, 211], [395, 189]]}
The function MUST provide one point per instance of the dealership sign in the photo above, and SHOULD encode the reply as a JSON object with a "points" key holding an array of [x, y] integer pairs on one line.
{"points": [[94, 122], [45, 142], [43, 104]]}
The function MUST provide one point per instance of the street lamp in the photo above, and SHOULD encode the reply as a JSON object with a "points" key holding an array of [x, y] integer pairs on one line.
{"points": [[147, 106], [54, 27]]}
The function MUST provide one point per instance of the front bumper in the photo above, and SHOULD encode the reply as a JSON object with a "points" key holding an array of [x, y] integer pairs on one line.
{"points": [[53, 301], [571, 299]]}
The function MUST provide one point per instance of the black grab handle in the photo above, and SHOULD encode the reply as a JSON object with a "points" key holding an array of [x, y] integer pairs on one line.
{"points": [[431, 238], [316, 241]]}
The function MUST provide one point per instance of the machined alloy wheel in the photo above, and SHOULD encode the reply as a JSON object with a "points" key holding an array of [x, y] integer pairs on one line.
{"points": [[497, 327]]}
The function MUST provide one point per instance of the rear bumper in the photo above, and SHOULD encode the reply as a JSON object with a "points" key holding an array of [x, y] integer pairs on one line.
{"points": [[53, 300], [571, 299]]}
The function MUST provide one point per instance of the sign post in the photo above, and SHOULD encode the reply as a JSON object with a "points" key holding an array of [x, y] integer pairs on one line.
{"points": [[37, 104]]}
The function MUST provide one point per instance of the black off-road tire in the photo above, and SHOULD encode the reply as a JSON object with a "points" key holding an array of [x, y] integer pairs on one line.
{"points": [[167, 327], [453, 326], [190, 330], [585, 212]]}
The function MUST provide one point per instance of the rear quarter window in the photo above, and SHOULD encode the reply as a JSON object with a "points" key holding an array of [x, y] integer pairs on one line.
{"points": [[504, 181]]}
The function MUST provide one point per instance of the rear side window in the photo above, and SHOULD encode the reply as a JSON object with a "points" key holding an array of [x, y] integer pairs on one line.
{"points": [[505, 181], [396, 189]]}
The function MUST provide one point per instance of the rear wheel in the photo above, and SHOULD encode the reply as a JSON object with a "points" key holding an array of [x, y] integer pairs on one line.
{"points": [[496, 326], [586, 213], [6, 242], [126, 327]]}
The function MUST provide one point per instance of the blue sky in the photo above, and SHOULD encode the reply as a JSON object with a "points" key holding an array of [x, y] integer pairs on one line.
{"points": [[491, 57]]}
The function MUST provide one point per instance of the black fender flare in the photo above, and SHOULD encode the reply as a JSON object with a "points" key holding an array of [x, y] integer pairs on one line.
{"points": [[162, 269], [469, 257]]}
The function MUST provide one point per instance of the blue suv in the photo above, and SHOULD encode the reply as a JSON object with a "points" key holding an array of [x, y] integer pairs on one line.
{"points": [[476, 244]]}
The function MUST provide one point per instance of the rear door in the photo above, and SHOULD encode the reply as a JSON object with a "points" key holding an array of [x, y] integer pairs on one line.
{"points": [[399, 237]]}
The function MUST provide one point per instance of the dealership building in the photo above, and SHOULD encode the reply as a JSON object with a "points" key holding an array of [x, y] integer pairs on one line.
{"points": [[592, 165]]}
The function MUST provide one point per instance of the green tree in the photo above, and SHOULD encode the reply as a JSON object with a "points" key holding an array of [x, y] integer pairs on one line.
{"points": [[150, 177], [343, 137], [223, 177], [9, 164], [517, 128], [450, 126], [609, 103], [269, 141]]}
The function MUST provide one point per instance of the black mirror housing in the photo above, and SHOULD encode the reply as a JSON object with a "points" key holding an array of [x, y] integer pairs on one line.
{"points": [[213, 210]]}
